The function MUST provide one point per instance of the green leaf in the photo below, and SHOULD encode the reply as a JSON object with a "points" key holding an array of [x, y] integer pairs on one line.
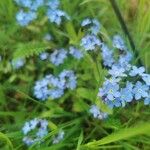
{"points": [[29, 49], [4, 138], [122, 134]]}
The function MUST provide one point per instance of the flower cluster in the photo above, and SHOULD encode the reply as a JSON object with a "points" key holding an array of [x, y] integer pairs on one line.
{"points": [[59, 55], [29, 11], [94, 110], [90, 41], [53, 87], [16, 64], [125, 82], [39, 126], [59, 137]]}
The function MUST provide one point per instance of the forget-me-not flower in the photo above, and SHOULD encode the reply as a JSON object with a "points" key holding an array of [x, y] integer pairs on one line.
{"points": [[90, 42], [140, 90]]}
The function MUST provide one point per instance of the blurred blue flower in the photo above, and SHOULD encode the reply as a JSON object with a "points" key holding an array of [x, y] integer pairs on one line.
{"points": [[94, 25], [140, 90], [126, 95], [107, 56], [90, 42], [48, 87], [59, 137], [118, 42], [86, 22], [110, 91], [31, 4], [146, 78], [58, 56], [16, 64], [76, 53], [53, 4], [116, 71], [44, 55], [56, 16], [24, 18], [147, 100], [137, 71], [68, 78], [41, 125], [47, 37], [95, 111]]}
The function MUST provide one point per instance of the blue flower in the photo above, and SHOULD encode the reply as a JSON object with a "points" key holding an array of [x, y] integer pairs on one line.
{"points": [[107, 56], [140, 90], [58, 56], [53, 4], [110, 91], [113, 103], [75, 52], [147, 100], [49, 86], [124, 61], [68, 78], [146, 78], [95, 111], [86, 22], [118, 43], [31, 4], [94, 25], [16, 64], [95, 28], [40, 125], [24, 18], [44, 56], [47, 37], [56, 15], [116, 71], [126, 95], [90, 42], [137, 71], [59, 137]]}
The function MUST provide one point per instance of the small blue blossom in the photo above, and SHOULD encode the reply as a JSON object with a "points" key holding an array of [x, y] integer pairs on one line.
{"points": [[124, 61], [47, 37], [147, 100], [68, 78], [44, 56], [58, 56], [94, 110], [59, 137], [140, 90], [94, 25], [76, 53], [113, 103], [40, 124], [24, 18], [107, 56], [137, 71], [146, 78], [111, 91], [86, 22], [90, 42], [53, 4], [49, 86], [116, 71], [95, 28], [126, 95], [56, 15], [118, 43], [31, 4], [16, 64]]}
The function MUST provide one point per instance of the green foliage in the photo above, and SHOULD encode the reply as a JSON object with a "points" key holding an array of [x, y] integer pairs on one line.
{"points": [[125, 129]]}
